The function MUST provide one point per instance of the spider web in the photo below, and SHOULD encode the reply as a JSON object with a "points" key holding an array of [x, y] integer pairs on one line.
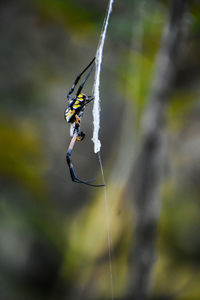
{"points": [[96, 87], [96, 123]]}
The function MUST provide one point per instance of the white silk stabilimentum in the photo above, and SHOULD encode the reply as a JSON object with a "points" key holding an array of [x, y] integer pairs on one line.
{"points": [[96, 88]]}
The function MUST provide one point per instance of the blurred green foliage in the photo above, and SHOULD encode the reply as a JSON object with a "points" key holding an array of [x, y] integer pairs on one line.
{"points": [[78, 18], [20, 156], [53, 232]]}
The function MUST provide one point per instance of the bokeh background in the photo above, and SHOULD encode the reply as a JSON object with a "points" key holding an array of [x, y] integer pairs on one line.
{"points": [[53, 238]]}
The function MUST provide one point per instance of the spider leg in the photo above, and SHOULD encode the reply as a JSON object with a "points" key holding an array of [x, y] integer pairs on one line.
{"points": [[82, 84], [71, 167], [78, 78], [88, 100]]}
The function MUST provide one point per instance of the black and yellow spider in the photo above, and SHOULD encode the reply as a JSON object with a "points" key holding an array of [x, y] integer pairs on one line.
{"points": [[73, 113]]}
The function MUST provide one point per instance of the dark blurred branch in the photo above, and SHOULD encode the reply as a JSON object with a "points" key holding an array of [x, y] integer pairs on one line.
{"points": [[149, 166]]}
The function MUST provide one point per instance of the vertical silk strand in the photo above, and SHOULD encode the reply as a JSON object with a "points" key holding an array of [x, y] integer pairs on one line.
{"points": [[96, 87]]}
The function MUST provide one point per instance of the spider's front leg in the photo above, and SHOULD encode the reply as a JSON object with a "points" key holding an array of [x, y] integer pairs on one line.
{"points": [[77, 80]]}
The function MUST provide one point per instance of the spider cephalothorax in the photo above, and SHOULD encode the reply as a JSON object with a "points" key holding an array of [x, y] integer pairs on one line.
{"points": [[72, 115]]}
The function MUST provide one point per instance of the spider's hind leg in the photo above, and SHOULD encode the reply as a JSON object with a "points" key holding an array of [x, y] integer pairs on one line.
{"points": [[73, 174], [71, 167], [80, 136]]}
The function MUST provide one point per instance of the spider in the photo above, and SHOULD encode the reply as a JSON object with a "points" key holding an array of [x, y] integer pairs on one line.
{"points": [[72, 115]]}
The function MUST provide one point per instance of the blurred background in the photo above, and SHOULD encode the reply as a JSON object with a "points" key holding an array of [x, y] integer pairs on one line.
{"points": [[53, 238]]}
